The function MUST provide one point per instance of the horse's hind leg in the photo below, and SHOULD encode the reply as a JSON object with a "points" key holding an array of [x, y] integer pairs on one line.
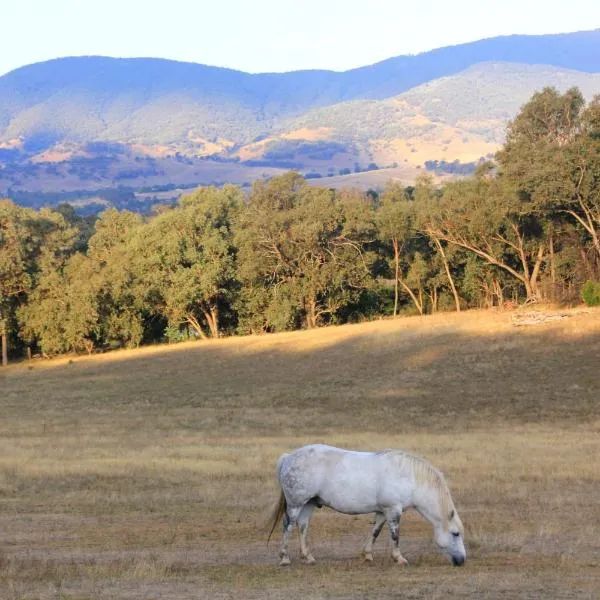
{"points": [[303, 521], [289, 520], [377, 527]]}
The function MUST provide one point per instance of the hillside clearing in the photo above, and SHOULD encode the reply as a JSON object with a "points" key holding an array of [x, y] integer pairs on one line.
{"points": [[149, 473]]}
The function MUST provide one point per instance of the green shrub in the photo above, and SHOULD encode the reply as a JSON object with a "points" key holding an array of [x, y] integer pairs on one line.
{"points": [[174, 334], [590, 293]]}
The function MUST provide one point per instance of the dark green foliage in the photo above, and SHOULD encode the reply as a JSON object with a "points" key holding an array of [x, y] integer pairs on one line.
{"points": [[182, 262], [289, 149], [302, 253], [34, 248], [84, 224], [455, 167], [590, 293], [121, 198], [278, 164]]}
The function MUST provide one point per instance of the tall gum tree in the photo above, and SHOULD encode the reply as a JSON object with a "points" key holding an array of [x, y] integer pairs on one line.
{"points": [[552, 158], [15, 280], [303, 250], [31, 243], [485, 217], [395, 226], [120, 312], [183, 260], [426, 194], [61, 312]]}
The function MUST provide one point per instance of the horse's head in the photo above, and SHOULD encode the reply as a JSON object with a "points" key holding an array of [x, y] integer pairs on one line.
{"points": [[449, 537]]}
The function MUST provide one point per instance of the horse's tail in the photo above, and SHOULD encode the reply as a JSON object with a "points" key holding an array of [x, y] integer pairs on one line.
{"points": [[280, 508], [277, 514]]}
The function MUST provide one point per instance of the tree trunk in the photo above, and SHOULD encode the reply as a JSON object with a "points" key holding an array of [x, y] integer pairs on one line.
{"points": [[418, 304], [535, 273], [214, 323], [397, 273], [552, 260], [311, 314], [498, 292], [588, 223], [4, 348], [448, 273], [191, 319], [434, 299], [528, 277], [488, 295], [586, 262], [212, 319]]}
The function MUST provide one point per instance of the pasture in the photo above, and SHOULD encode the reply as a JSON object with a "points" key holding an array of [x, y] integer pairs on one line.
{"points": [[150, 473]]}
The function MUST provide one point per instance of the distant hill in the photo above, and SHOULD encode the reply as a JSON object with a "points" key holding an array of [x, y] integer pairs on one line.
{"points": [[94, 122], [468, 109], [159, 101]]}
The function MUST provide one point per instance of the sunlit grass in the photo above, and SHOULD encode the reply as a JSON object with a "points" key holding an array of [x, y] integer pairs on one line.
{"points": [[150, 473]]}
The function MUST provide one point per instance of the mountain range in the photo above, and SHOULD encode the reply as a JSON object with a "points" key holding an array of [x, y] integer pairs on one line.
{"points": [[448, 104]]}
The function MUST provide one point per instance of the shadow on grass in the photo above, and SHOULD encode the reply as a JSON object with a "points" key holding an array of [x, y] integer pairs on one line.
{"points": [[438, 378]]}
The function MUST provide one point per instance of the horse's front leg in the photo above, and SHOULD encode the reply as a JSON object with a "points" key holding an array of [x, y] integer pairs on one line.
{"points": [[393, 518], [377, 527]]}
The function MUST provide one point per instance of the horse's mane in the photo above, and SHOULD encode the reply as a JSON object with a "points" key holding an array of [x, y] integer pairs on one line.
{"points": [[425, 474]]}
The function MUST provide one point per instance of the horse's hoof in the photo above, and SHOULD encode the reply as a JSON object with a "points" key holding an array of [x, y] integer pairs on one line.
{"points": [[402, 561], [368, 557], [309, 560], [285, 560]]}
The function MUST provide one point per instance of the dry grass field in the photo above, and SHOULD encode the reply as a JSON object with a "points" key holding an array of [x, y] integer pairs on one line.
{"points": [[149, 474]]}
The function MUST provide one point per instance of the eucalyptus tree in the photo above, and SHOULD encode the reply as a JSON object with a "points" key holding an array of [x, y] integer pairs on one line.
{"points": [[183, 260], [85, 299], [303, 253], [583, 203], [552, 157], [15, 278], [32, 244], [487, 218], [61, 313], [396, 226], [485, 287], [426, 196], [120, 312]]}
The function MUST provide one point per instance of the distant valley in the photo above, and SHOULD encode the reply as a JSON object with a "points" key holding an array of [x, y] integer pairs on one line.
{"points": [[72, 128]]}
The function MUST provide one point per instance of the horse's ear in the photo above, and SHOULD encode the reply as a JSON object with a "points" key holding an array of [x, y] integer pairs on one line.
{"points": [[451, 514]]}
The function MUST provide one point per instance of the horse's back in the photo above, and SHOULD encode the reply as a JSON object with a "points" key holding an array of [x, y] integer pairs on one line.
{"points": [[320, 457], [346, 480]]}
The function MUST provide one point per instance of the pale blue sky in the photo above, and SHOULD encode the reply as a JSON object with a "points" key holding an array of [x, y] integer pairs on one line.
{"points": [[270, 35]]}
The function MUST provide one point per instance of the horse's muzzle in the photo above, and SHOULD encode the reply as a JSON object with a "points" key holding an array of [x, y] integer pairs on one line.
{"points": [[458, 561]]}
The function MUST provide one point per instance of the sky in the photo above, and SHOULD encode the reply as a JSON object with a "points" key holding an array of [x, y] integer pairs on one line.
{"points": [[270, 35]]}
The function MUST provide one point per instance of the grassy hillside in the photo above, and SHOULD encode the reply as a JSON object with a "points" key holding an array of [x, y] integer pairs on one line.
{"points": [[149, 473], [157, 101], [460, 117], [472, 107], [204, 125]]}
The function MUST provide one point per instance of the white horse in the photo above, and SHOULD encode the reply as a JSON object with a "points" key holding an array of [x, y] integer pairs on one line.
{"points": [[385, 483]]}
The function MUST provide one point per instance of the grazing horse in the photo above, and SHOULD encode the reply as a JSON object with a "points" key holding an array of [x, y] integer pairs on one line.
{"points": [[385, 483]]}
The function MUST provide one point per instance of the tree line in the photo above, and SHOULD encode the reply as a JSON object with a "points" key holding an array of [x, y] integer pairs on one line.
{"points": [[523, 228]]}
